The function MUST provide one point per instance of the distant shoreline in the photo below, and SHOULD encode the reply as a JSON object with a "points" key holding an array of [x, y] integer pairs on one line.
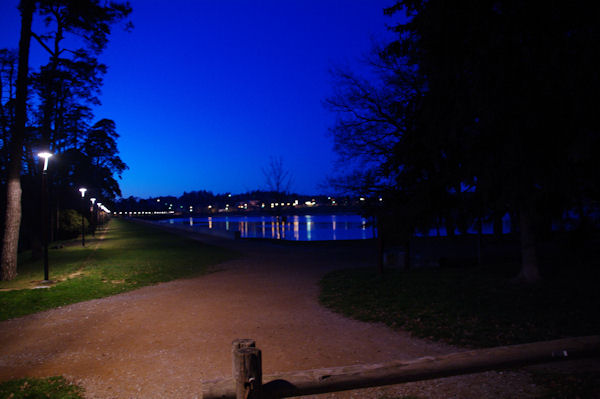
{"points": [[284, 212]]}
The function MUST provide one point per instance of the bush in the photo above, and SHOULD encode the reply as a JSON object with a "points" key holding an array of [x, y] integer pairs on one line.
{"points": [[70, 224]]}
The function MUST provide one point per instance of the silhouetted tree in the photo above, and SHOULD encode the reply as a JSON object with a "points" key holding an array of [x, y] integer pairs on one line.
{"points": [[478, 108], [278, 178], [510, 92], [374, 138], [12, 219], [100, 148], [8, 77], [61, 81]]}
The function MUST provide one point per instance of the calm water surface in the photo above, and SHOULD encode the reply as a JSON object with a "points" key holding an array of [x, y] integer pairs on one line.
{"points": [[295, 228]]}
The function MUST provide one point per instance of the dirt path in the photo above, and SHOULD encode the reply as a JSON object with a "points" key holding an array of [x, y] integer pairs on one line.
{"points": [[162, 341]]}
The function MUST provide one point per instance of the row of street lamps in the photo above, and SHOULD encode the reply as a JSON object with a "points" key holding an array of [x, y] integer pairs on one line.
{"points": [[45, 225]]}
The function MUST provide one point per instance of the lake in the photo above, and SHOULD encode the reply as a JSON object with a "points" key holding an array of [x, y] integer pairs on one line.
{"points": [[294, 228]]}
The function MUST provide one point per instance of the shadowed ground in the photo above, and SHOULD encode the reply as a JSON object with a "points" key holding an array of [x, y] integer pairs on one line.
{"points": [[162, 341]]}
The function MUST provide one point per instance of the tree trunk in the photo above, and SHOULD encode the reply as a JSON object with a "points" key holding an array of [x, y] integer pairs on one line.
{"points": [[407, 264], [529, 261], [10, 240], [498, 225], [12, 226], [450, 226], [514, 223], [479, 241], [380, 244]]}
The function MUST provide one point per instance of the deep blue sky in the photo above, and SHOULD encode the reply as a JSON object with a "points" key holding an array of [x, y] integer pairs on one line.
{"points": [[204, 92]]}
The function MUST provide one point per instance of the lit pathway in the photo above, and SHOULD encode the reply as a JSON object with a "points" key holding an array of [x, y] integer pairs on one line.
{"points": [[162, 341]]}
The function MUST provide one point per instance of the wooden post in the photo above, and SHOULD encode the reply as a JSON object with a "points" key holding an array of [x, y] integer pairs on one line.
{"points": [[238, 344], [247, 370]]}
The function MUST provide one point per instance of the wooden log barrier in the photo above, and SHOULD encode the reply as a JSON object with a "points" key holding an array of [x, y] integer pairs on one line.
{"points": [[335, 379]]}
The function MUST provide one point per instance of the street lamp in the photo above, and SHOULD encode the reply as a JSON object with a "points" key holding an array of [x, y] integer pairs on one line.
{"points": [[45, 156], [93, 216], [82, 191]]}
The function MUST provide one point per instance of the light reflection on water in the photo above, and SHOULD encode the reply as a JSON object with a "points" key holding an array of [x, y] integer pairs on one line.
{"points": [[296, 228]]}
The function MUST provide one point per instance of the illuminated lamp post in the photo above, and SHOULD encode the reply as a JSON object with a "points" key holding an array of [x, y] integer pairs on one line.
{"points": [[93, 216], [45, 156], [82, 191]]}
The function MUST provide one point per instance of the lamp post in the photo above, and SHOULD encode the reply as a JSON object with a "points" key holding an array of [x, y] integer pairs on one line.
{"points": [[101, 215], [45, 156], [93, 216], [82, 191]]}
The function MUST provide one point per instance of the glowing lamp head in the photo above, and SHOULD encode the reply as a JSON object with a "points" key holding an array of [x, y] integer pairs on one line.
{"points": [[82, 191], [93, 200], [46, 155]]}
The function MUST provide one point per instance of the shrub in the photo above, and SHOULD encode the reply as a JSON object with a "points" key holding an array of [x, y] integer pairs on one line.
{"points": [[70, 224]]}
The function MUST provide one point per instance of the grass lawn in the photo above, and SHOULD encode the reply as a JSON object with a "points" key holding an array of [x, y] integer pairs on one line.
{"points": [[34, 388], [124, 257], [476, 307], [467, 307]]}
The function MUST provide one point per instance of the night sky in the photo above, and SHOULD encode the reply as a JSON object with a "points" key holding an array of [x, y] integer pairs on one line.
{"points": [[204, 92]]}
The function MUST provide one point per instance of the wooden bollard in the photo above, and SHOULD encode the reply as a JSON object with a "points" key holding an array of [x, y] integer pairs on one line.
{"points": [[238, 344], [247, 369]]}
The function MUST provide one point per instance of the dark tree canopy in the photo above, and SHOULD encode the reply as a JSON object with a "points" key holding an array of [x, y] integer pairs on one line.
{"points": [[480, 108]]}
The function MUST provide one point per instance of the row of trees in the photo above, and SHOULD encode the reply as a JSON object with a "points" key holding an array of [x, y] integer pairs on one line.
{"points": [[51, 109], [478, 107]]}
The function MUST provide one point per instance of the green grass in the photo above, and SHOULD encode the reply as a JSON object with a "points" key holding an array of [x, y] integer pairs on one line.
{"points": [[40, 388], [129, 256], [467, 307], [476, 308]]}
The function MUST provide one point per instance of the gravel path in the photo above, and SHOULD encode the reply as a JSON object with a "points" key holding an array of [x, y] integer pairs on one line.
{"points": [[162, 341]]}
